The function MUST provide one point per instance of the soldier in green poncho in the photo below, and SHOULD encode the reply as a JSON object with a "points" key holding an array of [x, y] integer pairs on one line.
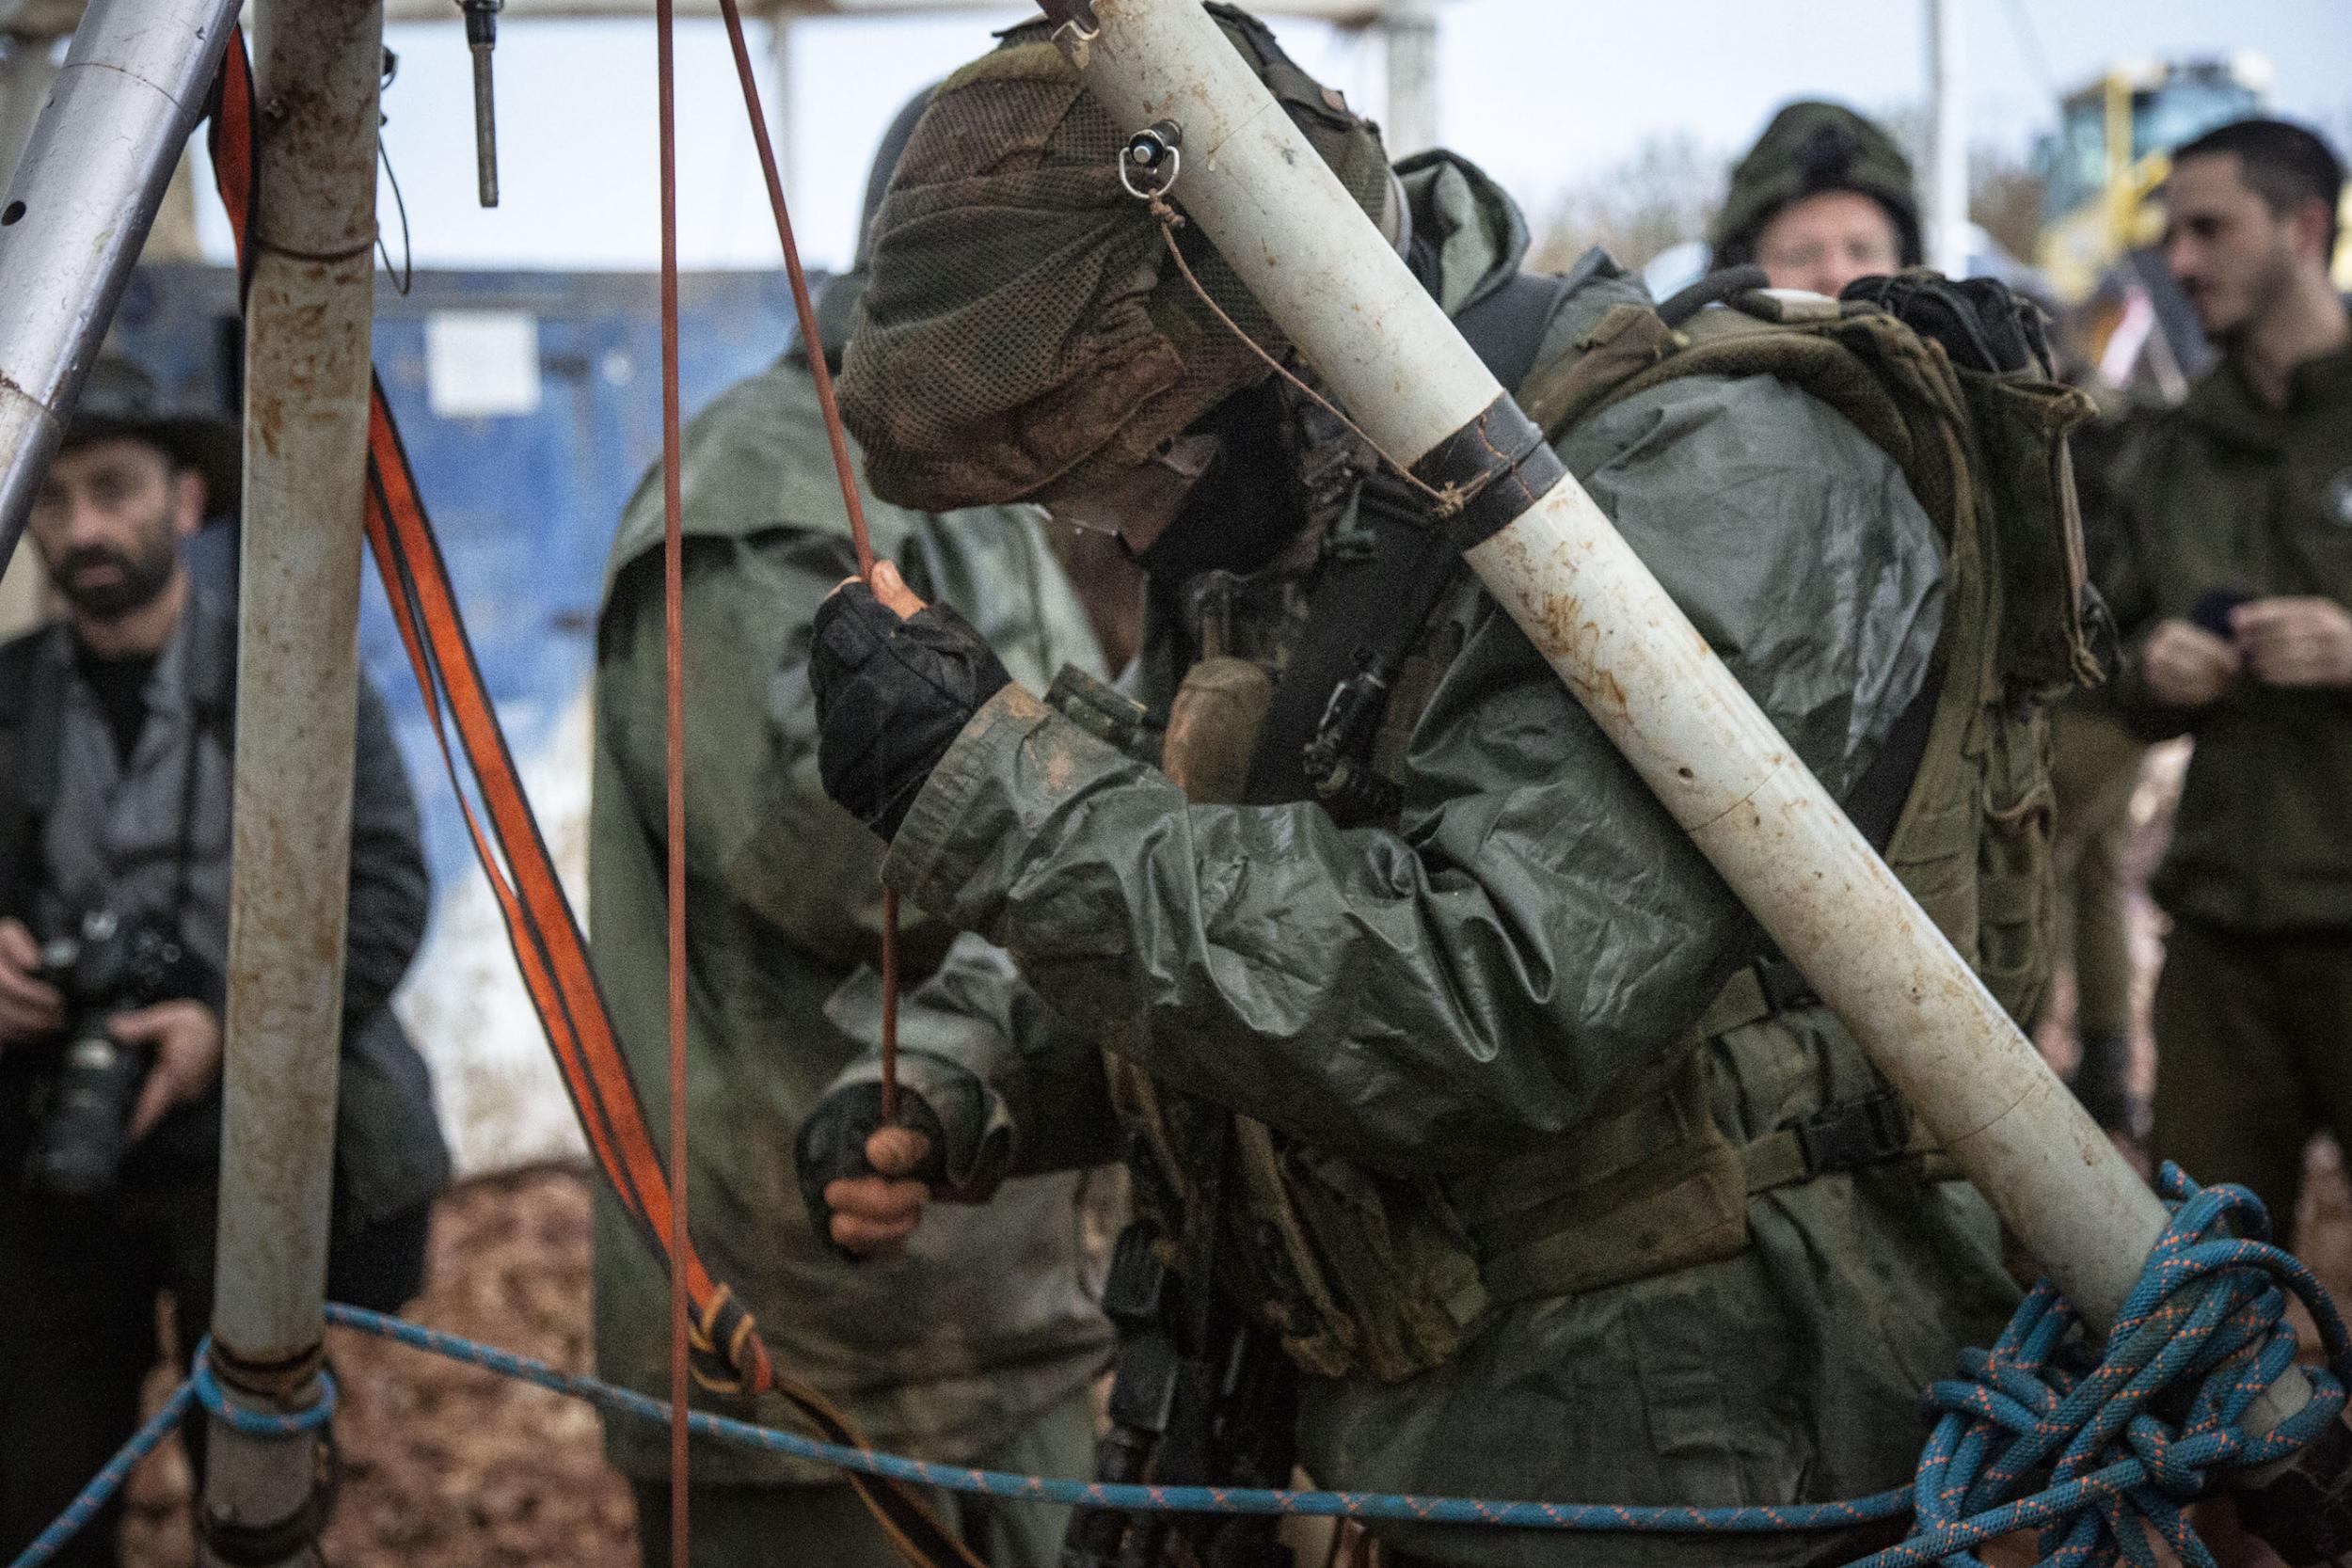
{"points": [[1453, 1073], [980, 1344]]}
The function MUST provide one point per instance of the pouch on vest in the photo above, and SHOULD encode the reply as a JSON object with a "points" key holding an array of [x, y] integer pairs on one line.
{"points": [[1353, 1270], [2020, 416]]}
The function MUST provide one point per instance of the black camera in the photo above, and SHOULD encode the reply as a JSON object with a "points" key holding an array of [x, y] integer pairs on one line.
{"points": [[109, 966]]}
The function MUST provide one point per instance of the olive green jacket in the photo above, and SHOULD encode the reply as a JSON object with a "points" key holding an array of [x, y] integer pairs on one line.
{"points": [[2228, 494], [1497, 975], [947, 1349]]}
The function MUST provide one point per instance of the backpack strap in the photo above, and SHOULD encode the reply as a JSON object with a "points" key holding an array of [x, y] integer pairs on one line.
{"points": [[1375, 597]]}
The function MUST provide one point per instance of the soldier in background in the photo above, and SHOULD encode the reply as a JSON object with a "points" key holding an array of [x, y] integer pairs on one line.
{"points": [[1823, 198], [980, 1345], [2234, 588]]}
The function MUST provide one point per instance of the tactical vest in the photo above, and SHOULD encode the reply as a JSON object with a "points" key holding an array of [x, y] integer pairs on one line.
{"points": [[1359, 1272]]}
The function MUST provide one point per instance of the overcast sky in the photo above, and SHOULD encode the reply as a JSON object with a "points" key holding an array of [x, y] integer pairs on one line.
{"points": [[1538, 91]]}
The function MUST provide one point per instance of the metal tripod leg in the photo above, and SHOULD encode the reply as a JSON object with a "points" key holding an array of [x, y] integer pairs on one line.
{"points": [[132, 86]]}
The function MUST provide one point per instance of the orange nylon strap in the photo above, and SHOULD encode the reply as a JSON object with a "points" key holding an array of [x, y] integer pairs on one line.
{"points": [[550, 949]]}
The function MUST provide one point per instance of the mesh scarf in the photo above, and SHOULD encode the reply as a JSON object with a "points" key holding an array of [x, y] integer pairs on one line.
{"points": [[1022, 322]]}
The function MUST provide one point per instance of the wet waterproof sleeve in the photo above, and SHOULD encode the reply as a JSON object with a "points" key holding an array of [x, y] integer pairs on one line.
{"points": [[757, 822], [1044, 1105], [1540, 932]]}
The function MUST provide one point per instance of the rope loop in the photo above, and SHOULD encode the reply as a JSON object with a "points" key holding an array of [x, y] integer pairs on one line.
{"points": [[719, 1339], [205, 1384], [2148, 1427]]}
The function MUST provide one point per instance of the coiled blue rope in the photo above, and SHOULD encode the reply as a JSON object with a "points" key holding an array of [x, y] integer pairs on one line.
{"points": [[2208, 1316]]}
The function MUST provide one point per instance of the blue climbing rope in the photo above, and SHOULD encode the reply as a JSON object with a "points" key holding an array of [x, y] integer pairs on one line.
{"points": [[85, 1506], [202, 1389], [2207, 1321]]}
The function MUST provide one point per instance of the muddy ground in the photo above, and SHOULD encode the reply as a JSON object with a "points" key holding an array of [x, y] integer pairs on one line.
{"points": [[447, 1466]]}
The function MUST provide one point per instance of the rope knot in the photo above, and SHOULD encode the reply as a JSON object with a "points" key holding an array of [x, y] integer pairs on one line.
{"points": [[717, 1340], [2201, 1337], [2169, 1467]]}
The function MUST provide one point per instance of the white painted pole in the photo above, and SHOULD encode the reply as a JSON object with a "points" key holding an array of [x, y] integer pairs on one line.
{"points": [[1315, 263], [106, 136], [309, 313], [1947, 224]]}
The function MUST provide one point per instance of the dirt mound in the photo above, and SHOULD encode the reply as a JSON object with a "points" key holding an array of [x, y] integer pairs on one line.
{"points": [[448, 1465]]}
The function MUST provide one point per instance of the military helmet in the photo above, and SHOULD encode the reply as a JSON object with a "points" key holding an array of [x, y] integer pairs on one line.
{"points": [[1811, 148], [1022, 322]]}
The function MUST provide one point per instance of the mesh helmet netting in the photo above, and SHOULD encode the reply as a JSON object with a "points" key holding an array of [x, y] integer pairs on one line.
{"points": [[1022, 322]]}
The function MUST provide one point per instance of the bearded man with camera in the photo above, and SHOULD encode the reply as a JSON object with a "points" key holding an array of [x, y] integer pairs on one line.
{"points": [[116, 737]]}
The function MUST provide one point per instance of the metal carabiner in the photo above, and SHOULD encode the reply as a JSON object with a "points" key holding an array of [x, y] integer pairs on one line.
{"points": [[1156, 151]]}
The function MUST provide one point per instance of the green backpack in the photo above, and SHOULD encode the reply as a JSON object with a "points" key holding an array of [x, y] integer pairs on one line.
{"points": [[1358, 1272]]}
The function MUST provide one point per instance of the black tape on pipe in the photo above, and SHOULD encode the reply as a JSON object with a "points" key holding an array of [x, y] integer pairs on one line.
{"points": [[1499, 463]]}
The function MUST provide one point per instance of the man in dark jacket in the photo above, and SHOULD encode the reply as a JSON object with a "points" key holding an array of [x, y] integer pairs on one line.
{"points": [[2236, 592], [115, 775]]}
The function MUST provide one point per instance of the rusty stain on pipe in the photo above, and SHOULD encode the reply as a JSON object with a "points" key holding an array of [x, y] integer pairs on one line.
{"points": [[308, 341]]}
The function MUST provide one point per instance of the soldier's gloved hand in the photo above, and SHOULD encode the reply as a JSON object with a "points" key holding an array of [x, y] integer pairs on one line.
{"points": [[866, 1183], [896, 681]]}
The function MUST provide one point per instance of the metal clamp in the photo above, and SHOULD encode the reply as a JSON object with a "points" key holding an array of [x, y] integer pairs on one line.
{"points": [[1076, 28], [1156, 154]]}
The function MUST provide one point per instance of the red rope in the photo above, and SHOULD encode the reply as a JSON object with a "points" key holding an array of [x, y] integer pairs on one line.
{"points": [[843, 471], [674, 660]]}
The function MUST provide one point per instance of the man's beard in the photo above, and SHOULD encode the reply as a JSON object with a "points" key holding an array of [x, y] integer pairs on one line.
{"points": [[140, 577]]}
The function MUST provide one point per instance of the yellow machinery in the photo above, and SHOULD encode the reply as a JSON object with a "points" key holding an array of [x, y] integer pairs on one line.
{"points": [[2112, 151]]}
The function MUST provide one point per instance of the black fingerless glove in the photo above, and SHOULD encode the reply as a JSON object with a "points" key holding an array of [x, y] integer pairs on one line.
{"points": [[832, 1147], [892, 696]]}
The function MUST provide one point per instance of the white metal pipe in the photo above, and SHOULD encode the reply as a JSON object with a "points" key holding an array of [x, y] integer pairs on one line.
{"points": [[1629, 654], [308, 324], [1947, 184], [27, 71], [77, 211]]}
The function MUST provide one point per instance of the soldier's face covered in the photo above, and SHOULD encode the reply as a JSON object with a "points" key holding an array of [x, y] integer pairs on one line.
{"points": [[1823, 241], [2233, 257], [1224, 493]]}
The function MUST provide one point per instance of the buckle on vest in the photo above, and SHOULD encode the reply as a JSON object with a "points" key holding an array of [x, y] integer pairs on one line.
{"points": [[1855, 1133]]}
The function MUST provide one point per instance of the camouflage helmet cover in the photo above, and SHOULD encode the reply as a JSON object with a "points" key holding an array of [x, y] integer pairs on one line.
{"points": [[1811, 148], [1022, 322]]}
